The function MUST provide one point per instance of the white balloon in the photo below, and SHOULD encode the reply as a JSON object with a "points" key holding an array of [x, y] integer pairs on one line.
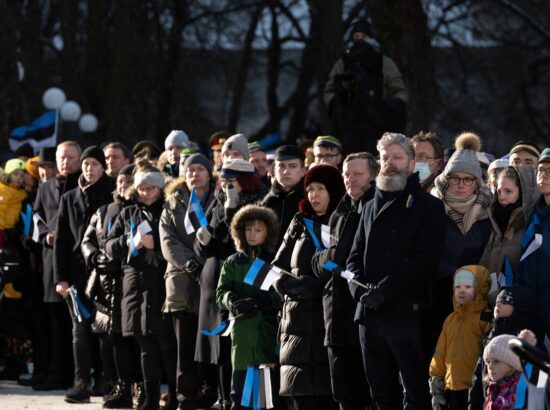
{"points": [[53, 98], [70, 111], [88, 123]]}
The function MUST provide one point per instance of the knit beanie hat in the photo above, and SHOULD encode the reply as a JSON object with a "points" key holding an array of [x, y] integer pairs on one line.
{"points": [[13, 165], [545, 156], [327, 141], [525, 146], [255, 146], [505, 297], [127, 169], [197, 159], [96, 153], [32, 168], [498, 349], [176, 138], [361, 26], [154, 178], [237, 142], [330, 177], [464, 159], [235, 168], [498, 164], [464, 277]]}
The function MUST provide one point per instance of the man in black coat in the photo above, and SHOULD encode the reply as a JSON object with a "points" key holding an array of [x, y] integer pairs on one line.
{"points": [[60, 371], [395, 252], [288, 188], [341, 333], [77, 207]]}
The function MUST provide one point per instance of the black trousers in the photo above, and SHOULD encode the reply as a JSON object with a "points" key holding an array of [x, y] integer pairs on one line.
{"points": [[347, 376], [120, 356], [314, 403], [187, 373], [392, 347], [158, 358], [60, 362], [82, 343]]}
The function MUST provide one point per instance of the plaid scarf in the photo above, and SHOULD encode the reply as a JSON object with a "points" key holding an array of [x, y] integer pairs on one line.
{"points": [[464, 212]]}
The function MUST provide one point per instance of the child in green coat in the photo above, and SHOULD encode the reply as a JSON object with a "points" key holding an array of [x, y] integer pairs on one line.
{"points": [[254, 334]]}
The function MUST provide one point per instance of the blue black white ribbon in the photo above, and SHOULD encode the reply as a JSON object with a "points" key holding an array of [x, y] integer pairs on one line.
{"points": [[261, 274], [27, 218], [319, 233], [224, 328]]}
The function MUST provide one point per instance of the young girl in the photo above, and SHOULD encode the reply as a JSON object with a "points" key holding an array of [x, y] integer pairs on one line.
{"points": [[254, 334], [12, 196], [504, 371], [515, 195]]}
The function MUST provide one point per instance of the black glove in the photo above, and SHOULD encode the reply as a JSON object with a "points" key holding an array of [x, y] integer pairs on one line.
{"points": [[264, 301], [92, 260], [192, 267], [243, 307], [106, 265], [372, 298], [302, 288]]}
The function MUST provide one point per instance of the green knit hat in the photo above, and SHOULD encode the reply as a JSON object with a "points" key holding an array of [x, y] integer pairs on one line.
{"points": [[327, 141]]}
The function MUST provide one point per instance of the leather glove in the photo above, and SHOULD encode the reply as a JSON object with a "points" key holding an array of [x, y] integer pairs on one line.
{"points": [[192, 266], [243, 307], [372, 298], [437, 390], [204, 236], [92, 260], [232, 199], [302, 288]]}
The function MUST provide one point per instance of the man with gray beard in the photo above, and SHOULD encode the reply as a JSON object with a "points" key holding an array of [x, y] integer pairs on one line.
{"points": [[396, 249]]}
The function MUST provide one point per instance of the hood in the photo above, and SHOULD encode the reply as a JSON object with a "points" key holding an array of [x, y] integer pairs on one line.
{"points": [[483, 279], [529, 190], [250, 213]]}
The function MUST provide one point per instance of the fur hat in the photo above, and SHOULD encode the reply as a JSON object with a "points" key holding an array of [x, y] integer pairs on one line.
{"points": [[254, 213], [176, 138], [197, 159], [96, 153], [235, 168], [331, 178], [32, 168], [498, 349], [237, 142], [464, 159], [13, 165]]}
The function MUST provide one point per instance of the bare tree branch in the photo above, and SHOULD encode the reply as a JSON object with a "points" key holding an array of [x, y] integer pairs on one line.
{"points": [[514, 8]]}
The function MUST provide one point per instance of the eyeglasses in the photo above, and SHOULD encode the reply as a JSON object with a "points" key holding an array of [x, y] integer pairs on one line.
{"points": [[456, 180], [423, 158], [544, 172]]}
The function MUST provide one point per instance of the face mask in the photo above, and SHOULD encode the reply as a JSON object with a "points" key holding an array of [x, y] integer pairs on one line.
{"points": [[423, 170]]}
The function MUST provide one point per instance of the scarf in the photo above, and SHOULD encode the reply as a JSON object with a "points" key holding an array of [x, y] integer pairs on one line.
{"points": [[464, 212]]}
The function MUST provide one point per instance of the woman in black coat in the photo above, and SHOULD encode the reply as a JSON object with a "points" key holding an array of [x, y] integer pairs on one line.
{"points": [[104, 288], [134, 238], [304, 362]]}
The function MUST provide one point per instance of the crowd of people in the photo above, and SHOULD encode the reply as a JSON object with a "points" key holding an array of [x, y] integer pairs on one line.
{"points": [[397, 279]]}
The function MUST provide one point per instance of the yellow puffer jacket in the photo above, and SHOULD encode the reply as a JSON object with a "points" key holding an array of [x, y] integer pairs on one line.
{"points": [[11, 200], [459, 344]]}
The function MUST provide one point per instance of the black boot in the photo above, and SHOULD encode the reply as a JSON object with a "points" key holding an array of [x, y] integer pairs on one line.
{"points": [[152, 396], [140, 394], [171, 403], [121, 399]]}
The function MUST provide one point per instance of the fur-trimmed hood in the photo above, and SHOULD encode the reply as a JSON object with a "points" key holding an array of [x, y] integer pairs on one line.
{"points": [[254, 213]]}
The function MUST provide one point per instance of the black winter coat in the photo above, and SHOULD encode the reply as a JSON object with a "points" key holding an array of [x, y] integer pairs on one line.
{"points": [[397, 246], [303, 357], [338, 305], [142, 283], [284, 204], [105, 283], [46, 205], [75, 211]]}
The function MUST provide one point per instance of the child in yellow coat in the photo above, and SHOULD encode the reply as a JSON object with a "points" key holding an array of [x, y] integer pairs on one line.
{"points": [[460, 341]]}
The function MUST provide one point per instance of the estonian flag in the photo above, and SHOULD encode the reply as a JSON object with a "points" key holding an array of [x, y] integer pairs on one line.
{"points": [[316, 231], [508, 274], [257, 388], [224, 329], [532, 238], [42, 132], [261, 274], [194, 217], [332, 267]]}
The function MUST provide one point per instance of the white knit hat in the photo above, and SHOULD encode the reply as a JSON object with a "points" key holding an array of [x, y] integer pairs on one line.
{"points": [[177, 138], [498, 349]]}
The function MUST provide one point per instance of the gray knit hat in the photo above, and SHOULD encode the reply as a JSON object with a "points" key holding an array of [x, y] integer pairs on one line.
{"points": [[464, 159], [197, 159], [237, 142], [498, 349], [154, 178], [177, 138]]}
